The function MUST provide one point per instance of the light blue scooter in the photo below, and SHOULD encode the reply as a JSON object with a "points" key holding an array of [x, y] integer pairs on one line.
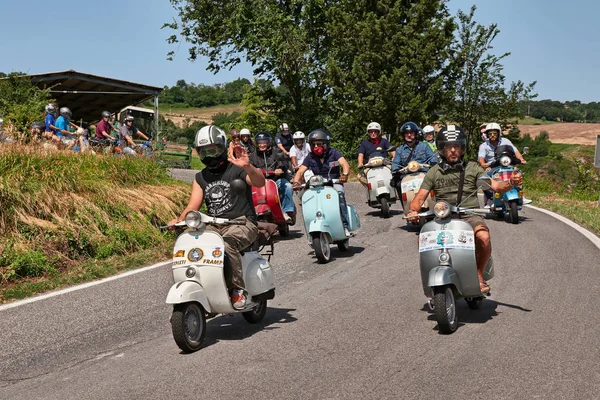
{"points": [[323, 220], [509, 202]]}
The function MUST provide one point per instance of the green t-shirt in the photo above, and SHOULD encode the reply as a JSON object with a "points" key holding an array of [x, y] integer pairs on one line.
{"points": [[445, 184]]}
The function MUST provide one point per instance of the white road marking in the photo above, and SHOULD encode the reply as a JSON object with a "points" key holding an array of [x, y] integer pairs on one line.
{"points": [[593, 238], [80, 287]]}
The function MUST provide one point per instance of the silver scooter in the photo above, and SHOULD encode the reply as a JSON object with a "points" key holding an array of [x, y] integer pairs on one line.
{"points": [[380, 193], [447, 261]]}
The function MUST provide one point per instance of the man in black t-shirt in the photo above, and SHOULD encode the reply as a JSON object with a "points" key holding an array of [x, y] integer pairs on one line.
{"points": [[213, 185]]}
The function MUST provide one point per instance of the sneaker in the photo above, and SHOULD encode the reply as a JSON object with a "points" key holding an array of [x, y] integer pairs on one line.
{"points": [[526, 201], [489, 204], [347, 232], [238, 299], [286, 217]]}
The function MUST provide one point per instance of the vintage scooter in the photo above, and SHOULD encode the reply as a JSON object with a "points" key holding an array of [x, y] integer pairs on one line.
{"points": [[322, 218], [268, 206], [199, 290], [502, 168], [447, 261], [380, 193], [410, 185]]}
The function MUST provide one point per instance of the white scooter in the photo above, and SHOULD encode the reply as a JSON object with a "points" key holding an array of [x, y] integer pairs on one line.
{"points": [[410, 185], [380, 193], [199, 290]]}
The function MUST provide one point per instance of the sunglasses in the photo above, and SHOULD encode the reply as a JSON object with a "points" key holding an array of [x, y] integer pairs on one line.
{"points": [[209, 151]]}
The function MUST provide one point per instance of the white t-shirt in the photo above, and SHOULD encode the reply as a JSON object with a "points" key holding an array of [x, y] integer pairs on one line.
{"points": [[300, 154]]}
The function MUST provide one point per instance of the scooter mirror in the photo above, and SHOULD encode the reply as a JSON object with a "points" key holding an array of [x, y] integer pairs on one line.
{"points": [[238, 187], [525, 150], [484, 182]]}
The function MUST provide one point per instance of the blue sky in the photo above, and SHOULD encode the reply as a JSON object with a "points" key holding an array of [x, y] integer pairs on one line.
{"points": [[552, 42]]}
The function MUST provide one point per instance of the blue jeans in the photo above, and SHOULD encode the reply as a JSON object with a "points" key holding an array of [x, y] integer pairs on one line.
{"points": [[286, 194], [343, 205]]}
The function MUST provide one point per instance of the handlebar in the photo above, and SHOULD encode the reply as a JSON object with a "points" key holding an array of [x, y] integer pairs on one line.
{"points": [[206, 219]]}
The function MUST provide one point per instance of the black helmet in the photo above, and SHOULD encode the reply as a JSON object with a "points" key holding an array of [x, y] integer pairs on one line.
{"points": [[105, 114], [408, 127], [262, 137], [451, 134], [319, 134]]}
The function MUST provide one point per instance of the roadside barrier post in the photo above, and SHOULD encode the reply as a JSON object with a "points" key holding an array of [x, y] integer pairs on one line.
{"points": [[597, 158]]}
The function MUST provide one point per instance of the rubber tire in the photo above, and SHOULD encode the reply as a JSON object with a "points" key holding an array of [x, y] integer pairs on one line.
{"points": [[323, 252], [446, 323], [514, 212], [385, 207], [257, 314], [475, 303], [344, 245], [178, 326], [284, 230]]}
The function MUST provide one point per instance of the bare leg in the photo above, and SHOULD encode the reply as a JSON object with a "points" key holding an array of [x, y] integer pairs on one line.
{"points": [[483, 250]]}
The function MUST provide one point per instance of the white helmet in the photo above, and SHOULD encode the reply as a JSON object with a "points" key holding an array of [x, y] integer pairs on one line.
{"points": [[284, 127], [428, 129], [374, 126], [298, 135], [65, 112], [245, 131], [50, 109], [210, 135], [492, 126]]}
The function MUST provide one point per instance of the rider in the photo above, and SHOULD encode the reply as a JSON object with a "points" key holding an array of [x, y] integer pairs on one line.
{"points": [[374, 146], [412, 149], [215, 180], [444, 180], [326, 162], [429, 133], [486, 155], [300, 150], [104, 127], [62, 125], [49, 121], [246, 140], [126, 131], [268, 158], [283, 139]]}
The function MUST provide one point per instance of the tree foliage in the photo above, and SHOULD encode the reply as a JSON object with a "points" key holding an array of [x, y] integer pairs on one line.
{"points": [[480, 94], [185, 94], [569, 111]]}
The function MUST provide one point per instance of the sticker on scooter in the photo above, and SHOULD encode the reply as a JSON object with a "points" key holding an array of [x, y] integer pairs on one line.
{"points": [[195, 254], [217, 252], [409, 186], [435, 240]]}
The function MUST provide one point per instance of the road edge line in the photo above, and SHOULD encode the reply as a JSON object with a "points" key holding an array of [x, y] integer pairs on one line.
{"points": [[81, 286], [588, 234]]}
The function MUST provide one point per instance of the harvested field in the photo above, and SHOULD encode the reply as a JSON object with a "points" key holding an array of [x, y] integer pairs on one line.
{"points": [[569, 133], [179, 116]]}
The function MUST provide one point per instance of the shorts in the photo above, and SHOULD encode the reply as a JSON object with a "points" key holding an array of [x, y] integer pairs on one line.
{"points": [[476, 221]]}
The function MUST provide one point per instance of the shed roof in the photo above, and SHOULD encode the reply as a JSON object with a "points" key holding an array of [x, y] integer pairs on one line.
{"points": [[88, 95]]}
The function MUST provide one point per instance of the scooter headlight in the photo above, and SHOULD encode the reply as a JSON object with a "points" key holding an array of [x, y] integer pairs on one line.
{"points": [[316, 180], [193, 219], [413, 166], [505, 161], [441, 209], [190, 272]]}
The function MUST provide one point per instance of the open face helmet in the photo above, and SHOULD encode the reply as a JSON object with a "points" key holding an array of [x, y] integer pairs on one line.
{"points": [[65, 112], [318, 141], [374, 126], [50, 109], [451, 134], [210, 142]]}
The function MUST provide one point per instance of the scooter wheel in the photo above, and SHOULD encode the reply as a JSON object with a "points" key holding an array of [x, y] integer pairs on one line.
{"points": [[474, 303], [320, 242], [257, 314], [188, 324], [444, 308], [344, 245], [514, 212], [385, 208]]}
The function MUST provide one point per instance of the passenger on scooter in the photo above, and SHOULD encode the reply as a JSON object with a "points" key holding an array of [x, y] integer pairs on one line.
{"points": [[429, 133], [444, 179], [283, 139], [213, 185], [246, 140], [412, 149], [326, 162], [487, 149], [268, 158], [374, 146]]}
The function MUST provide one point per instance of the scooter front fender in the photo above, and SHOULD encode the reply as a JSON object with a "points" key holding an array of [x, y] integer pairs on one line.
{"points": [[443, 276], [512, 194], [319, 225], [187, 291]]}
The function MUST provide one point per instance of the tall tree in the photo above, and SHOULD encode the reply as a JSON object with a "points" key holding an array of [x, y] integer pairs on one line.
{"points": [[480, 94]]}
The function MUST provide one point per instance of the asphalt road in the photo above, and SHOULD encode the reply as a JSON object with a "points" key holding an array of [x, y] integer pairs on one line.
{"points": [[356, 328]]}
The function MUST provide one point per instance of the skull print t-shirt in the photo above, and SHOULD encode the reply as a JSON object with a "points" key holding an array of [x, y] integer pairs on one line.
{"points": [[219, 197]]}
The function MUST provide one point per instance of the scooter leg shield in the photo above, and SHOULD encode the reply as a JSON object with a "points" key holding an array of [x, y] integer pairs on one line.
{"points": [[443, 276], [488, 272], [186, 291]]}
